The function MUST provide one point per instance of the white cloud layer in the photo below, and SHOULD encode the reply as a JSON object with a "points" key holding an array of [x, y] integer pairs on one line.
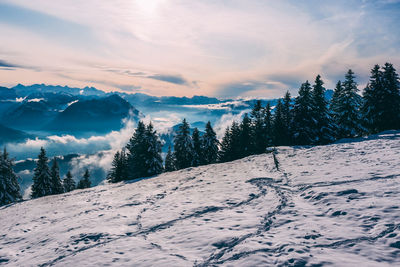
{"points": [[67, 144]]}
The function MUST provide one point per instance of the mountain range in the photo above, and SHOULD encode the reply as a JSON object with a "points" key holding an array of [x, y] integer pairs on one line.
{"points": [[94, 115], [11, 135], [58, 109], [41, 109]]}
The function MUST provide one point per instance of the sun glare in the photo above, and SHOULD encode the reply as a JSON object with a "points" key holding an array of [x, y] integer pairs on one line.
{"points": [[148, 7]]}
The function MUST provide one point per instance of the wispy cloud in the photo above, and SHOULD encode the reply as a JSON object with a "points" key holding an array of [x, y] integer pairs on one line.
{"points": [[169, 78], [248, 88], [52, 27], [5, 64]]}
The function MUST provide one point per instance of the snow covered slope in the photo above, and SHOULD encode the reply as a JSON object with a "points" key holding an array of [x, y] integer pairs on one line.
{"points": [[328, 205]]}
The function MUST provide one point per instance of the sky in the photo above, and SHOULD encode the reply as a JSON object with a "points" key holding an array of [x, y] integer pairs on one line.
{"points": [[225, 48]]}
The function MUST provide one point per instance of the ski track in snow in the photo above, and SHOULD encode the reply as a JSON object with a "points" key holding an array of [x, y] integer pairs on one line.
{"points": [[335, 205]]}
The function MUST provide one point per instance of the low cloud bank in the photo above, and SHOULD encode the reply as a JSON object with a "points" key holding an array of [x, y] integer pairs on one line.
{"points": [[227, 120], [96, 152], [69, 144]]}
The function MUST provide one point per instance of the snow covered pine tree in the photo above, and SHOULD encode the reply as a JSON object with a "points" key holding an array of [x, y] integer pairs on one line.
{"points": [[68, 182], [381, 108], [153, 160], [170, 161], [85, 181], [258, 124], [303, 124], [42, 182], [278, 126], [209, 145], [183, 146], [345, 107], [119, 168], [136, 153], [9, 187], [324, 125], [56, 183], [197, 149]]}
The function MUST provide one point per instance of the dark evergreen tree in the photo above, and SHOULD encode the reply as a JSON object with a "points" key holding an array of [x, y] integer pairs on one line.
{"points": [[371, 108], [335, 101], [225, 153], [257, 109], [257, 116], [246, 140], [9, 187], [170, 161], [57, 187], [113, 175], [236, 140], [183, 146], [323, 123], [303, 122], [42, 182], [137, 153], [231, 144], [390, 113], [68, 182], [279, 129], [119, 168], [153, 163], [143, 157], [287, 119], [381, 107], [85, 181], [345, 107], [209, 145], [268, 125], [197, 151]]}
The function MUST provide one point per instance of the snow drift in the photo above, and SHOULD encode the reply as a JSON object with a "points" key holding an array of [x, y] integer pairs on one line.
{"points": [[327, 205]]}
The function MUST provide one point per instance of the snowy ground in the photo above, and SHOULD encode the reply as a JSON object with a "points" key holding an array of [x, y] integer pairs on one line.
{"points": [[329, 205]]}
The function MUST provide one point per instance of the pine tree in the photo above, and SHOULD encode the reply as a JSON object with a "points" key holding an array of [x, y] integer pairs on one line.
{"points": [[57, 187], [279, 129], [183, 146], [170, 161], [42, 182], [303, 123], [345, 108], [381, 106], [371, 108], [9, 187], [335, 101], [231, 148], [323, 123], [268, 125], [136, 153], [257, 116], [257, 110], [119, 168], [209, 145], [85, 181], [153, 163], [390, 116], [68, 182], [246, 137], [287, 119], [225, 153], [236, 141], [197, 149]]}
